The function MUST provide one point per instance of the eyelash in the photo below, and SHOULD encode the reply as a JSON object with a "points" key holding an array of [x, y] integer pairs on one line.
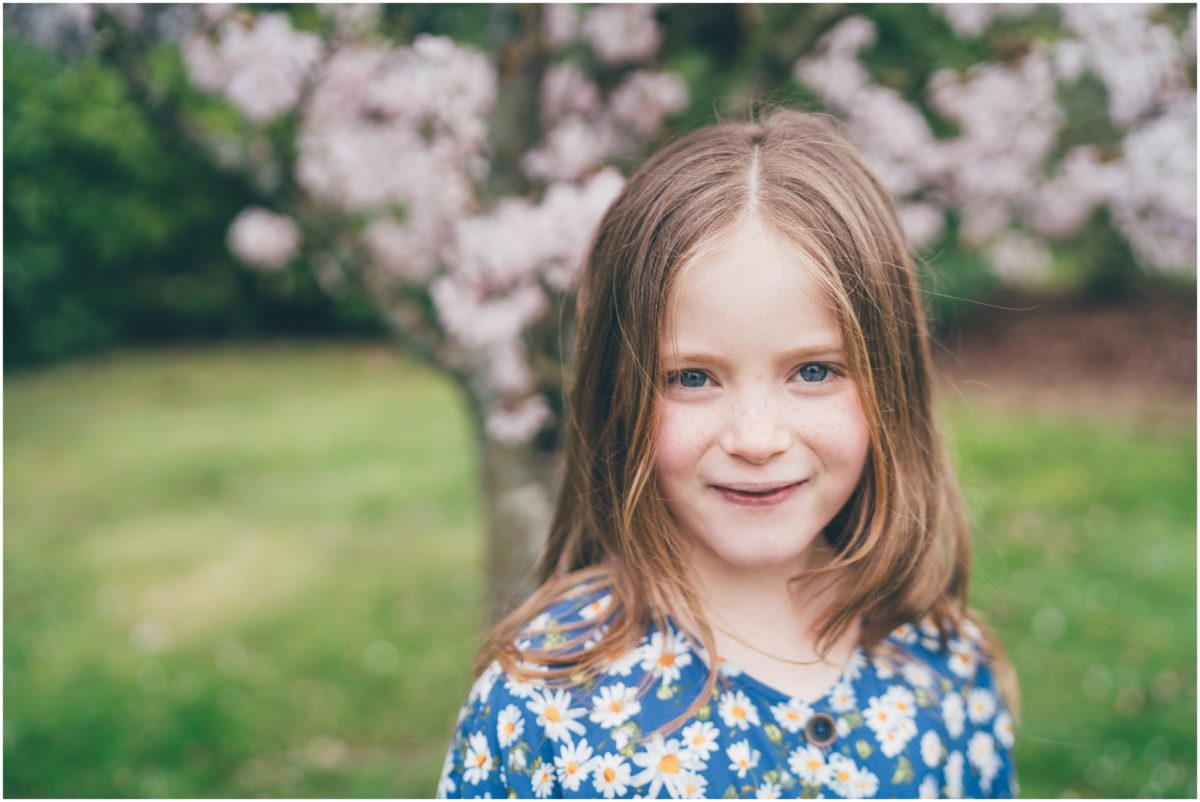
{"points": [[830, 372]]}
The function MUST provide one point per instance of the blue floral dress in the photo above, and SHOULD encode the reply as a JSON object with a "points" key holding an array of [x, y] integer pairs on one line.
{"points": [[917, 720]]}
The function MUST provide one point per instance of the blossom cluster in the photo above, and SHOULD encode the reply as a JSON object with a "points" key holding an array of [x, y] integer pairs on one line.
{"points": [[263, 239], [260, 63], [999, 173], [398, 138], [582, 125]]}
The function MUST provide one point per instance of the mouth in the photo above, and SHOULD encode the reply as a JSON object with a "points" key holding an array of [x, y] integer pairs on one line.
{"points": [[758, 494]]}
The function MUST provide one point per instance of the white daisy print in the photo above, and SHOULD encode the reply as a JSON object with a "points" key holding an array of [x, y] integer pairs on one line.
{"points": [[841, 697], [981, 705], [953, 714], [727, 668], [905, 633], [520, 689], [962, 658], [792, 715], [884, 667], [446, 784], [594, 610], [768, 791], [863, 784], [1004, 729], [610, 775], [840, 773], [483, 686], [555, 715], [510, 725], [477, 763], [808, 763], [573, 764], [981, 752], [954, 775], [613, 706], [700, 738], [663, 764], [879, 716], [665, 656], [855, 665], [692, 785], [893, 740], [742, 758], [738, 711], [931, 749], [901, 701], [622, 665], [917, 675], [543, 781], [929, 787]]}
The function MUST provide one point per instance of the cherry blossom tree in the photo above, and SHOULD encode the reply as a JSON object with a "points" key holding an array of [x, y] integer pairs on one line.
{"points": [[429, 174]]}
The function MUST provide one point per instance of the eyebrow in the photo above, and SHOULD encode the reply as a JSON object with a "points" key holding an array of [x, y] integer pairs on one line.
{"points": [[813, 352]]}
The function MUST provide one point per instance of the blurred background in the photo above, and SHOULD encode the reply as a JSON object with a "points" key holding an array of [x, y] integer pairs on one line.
{"points": [[287, 295]]}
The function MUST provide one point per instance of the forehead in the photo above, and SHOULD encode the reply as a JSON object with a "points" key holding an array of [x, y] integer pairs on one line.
{"points": [[749, 288]]}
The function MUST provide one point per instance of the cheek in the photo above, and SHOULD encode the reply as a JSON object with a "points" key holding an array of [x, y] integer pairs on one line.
{"points": [[843, 436], [681, 438]]}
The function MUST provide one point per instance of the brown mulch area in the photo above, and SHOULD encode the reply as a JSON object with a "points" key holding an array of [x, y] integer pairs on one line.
{"points": [[1133, 359]]}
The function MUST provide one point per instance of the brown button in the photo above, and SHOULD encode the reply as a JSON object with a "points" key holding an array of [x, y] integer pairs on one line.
{"points": [[820, 730]]}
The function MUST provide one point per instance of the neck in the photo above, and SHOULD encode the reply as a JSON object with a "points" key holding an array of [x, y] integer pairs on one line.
{"points": [[758, 608]]}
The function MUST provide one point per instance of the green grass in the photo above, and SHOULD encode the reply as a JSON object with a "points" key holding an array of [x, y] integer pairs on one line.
{"points": [[259, 573]]}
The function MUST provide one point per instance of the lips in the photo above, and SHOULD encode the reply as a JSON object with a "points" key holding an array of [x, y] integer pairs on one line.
{"points": [[758, 494]]}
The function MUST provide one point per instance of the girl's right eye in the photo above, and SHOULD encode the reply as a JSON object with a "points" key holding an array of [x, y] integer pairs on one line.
{"points": [[692, 379]]}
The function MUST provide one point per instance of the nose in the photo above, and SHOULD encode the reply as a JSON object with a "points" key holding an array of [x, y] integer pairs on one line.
{"points": [[755, 433]]}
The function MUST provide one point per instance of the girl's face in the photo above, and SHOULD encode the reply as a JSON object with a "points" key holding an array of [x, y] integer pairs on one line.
{"points": [[760, 435]]}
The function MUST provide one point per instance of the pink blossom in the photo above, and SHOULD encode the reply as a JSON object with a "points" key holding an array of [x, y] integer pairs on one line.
{"points": [[476, 320], [560, 24], [507, 370], [520, 422], [260, 67], [571, 148], [923, 222], [1059, 207], [566, 90], [973, 18], [621, 33], [400, 250], [389, 127], [263, 239], [645, 99], [1019, 259], [570, 214], [215, 13], [1138, 60], [1155, 204]]}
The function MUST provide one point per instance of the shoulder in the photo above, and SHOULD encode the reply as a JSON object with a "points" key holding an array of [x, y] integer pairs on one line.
{"points": [[519, 733]]}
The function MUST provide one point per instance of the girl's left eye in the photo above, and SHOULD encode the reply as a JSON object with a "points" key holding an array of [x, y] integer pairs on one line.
{"points": [[813, 372]]}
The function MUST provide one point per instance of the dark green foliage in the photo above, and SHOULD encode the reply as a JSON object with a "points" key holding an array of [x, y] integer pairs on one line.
{"points": [[113, 233]]}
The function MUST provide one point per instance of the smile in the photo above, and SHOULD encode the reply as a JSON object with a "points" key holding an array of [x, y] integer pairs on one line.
{"points": [[747, 496]]}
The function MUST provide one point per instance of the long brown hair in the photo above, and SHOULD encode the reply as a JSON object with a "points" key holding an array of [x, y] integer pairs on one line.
{"points": [[902, 543]]}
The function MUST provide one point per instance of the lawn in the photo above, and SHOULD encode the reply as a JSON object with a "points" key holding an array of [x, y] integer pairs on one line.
{"points": [[257, 572]]}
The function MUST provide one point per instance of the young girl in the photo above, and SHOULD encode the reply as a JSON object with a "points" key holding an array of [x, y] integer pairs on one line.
{"points": [[755, 583]]}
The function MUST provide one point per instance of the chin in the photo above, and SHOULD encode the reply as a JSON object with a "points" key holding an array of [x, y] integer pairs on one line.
{"points": [[764, 558]]}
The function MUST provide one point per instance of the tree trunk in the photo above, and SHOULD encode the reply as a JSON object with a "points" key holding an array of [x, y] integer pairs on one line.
{"points": [[520, 486]]}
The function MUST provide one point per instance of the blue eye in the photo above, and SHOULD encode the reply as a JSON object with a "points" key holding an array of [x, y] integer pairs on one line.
{"points": [[691, 378], [813, 372]]}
